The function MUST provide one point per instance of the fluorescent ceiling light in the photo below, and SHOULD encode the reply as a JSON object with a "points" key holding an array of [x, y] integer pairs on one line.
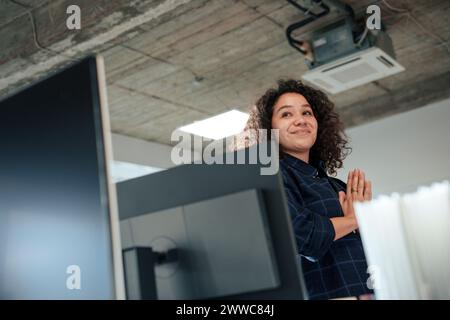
{"points": [[121, 171], [220, 126]]}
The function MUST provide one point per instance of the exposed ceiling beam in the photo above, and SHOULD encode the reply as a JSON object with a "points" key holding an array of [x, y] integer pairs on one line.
{"points": [[101, 23], [408, 97]]}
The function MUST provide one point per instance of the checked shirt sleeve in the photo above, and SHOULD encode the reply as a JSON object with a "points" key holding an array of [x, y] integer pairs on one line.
{"points": [[313, 232]]}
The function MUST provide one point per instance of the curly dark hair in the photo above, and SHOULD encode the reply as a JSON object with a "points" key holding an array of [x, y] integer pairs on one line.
{"points": [[331, 143]]}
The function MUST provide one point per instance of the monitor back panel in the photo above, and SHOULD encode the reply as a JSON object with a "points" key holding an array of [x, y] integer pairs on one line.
{"points": [[212, 207], [222, 244]]}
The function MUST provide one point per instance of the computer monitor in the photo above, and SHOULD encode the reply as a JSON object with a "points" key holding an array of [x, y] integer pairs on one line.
{"points": [[59, 236], [229, 223]]}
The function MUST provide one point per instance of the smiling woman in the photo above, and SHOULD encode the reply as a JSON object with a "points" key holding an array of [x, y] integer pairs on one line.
{"points": [[313, 145]]}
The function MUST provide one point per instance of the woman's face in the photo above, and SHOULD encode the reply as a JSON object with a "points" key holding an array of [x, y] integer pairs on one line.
{"points": [[297, 125]]}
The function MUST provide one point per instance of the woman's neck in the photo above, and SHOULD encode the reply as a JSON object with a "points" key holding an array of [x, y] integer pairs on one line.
{"points": [[300, 155]]}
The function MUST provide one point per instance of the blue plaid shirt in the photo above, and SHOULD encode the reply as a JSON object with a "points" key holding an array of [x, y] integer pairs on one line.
{"points": [[332, 269]]}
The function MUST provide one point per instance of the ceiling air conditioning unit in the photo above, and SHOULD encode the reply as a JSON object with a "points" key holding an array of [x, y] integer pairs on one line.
{"points": [[340, 64]]}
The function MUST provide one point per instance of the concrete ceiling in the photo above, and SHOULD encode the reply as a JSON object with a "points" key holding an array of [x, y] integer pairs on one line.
{"points": [[171, 62]]}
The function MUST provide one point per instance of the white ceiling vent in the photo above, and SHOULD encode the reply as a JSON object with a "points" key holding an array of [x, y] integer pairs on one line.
{"points": [[353, 70]]}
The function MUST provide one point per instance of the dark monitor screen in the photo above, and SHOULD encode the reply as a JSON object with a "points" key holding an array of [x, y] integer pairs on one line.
{"points": [[56, 213]]}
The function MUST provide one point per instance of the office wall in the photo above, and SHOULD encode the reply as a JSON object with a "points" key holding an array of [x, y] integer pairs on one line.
{"points": [[146, 153], [404, 151]]}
